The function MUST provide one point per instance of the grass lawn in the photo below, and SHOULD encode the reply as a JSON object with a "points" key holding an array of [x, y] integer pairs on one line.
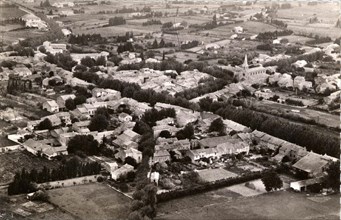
{"points": [[276, 205], [210, 175], [91, 201]]}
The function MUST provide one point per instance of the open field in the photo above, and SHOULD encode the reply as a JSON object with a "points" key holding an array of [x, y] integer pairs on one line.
{"points": [[7, 13], [14, 161], [276, 205], [12, 36], [297, 19], [91, 201], [250, 27]]}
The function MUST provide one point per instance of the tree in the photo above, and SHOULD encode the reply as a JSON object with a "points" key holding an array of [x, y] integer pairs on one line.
{"points": [[80, 99], [162, 43], [83, 143], [88, 61], [101, 61], [98, 123], [186, 132], [165, 134], [333, 177], [42, 49], [116, 21], [272, 181], [45, 124], [218, 126], [70, 104], [155, 44], [103, 111], [130, 161], [214, 20]]}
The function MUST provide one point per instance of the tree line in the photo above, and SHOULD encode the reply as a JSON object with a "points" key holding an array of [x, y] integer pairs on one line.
{"points": [[86, 39], [23, 181], [273, 35]]}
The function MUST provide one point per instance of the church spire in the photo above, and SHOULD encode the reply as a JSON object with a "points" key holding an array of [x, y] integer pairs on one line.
{"points": [[245, 64]]}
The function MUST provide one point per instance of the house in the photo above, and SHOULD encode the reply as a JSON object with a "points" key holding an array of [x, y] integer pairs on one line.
{"points": [[106, 94], [291, 152], [159, 128], [213, 141], [55, 121], [80, 113], [51, 106], [201, 153], [234, 126], [104, 134], [65, 117], [128, 139], [66, 137], [124, 117], [21, 70], [154, 177], [34, 21], [37, 147], [54, 48], [185, 117], [312, 164], [110, 166], [302, 185], [131, 152], [58, 131], [61, 100], [123, 170], [66, 32], [81, 126], [233, 146], [160, 156]]}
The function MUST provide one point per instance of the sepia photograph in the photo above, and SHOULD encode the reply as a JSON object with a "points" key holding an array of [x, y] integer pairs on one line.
{"points": [[170, 109]]}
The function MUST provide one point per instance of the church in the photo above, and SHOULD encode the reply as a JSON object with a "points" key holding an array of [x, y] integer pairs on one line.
{"points": [[252, 73]]}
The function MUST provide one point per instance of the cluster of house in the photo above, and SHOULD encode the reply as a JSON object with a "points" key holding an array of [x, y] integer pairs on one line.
{"points": [[34, 21], [53, 48], [161, 81], [310, 164]]}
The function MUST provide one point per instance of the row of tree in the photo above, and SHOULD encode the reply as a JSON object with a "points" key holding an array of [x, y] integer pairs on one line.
{"points": [[273, 35], [23, 181], [144, 204], [116, 21], [86, 39]]}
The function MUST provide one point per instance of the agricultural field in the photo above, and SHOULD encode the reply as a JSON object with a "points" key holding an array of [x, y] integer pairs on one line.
{"points": [[297, 19], [12, 36], [91, 201], [276, 205], [250, 27], [14, 161], [7, 13]]}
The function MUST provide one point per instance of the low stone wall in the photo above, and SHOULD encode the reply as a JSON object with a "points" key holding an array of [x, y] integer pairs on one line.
{"points": [[69, 182]]}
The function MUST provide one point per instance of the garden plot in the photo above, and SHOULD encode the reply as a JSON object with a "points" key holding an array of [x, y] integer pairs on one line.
{"points": [[211, 175]]}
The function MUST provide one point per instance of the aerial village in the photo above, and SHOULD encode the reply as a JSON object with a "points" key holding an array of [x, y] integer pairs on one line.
{"points": [[144, 114]]}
